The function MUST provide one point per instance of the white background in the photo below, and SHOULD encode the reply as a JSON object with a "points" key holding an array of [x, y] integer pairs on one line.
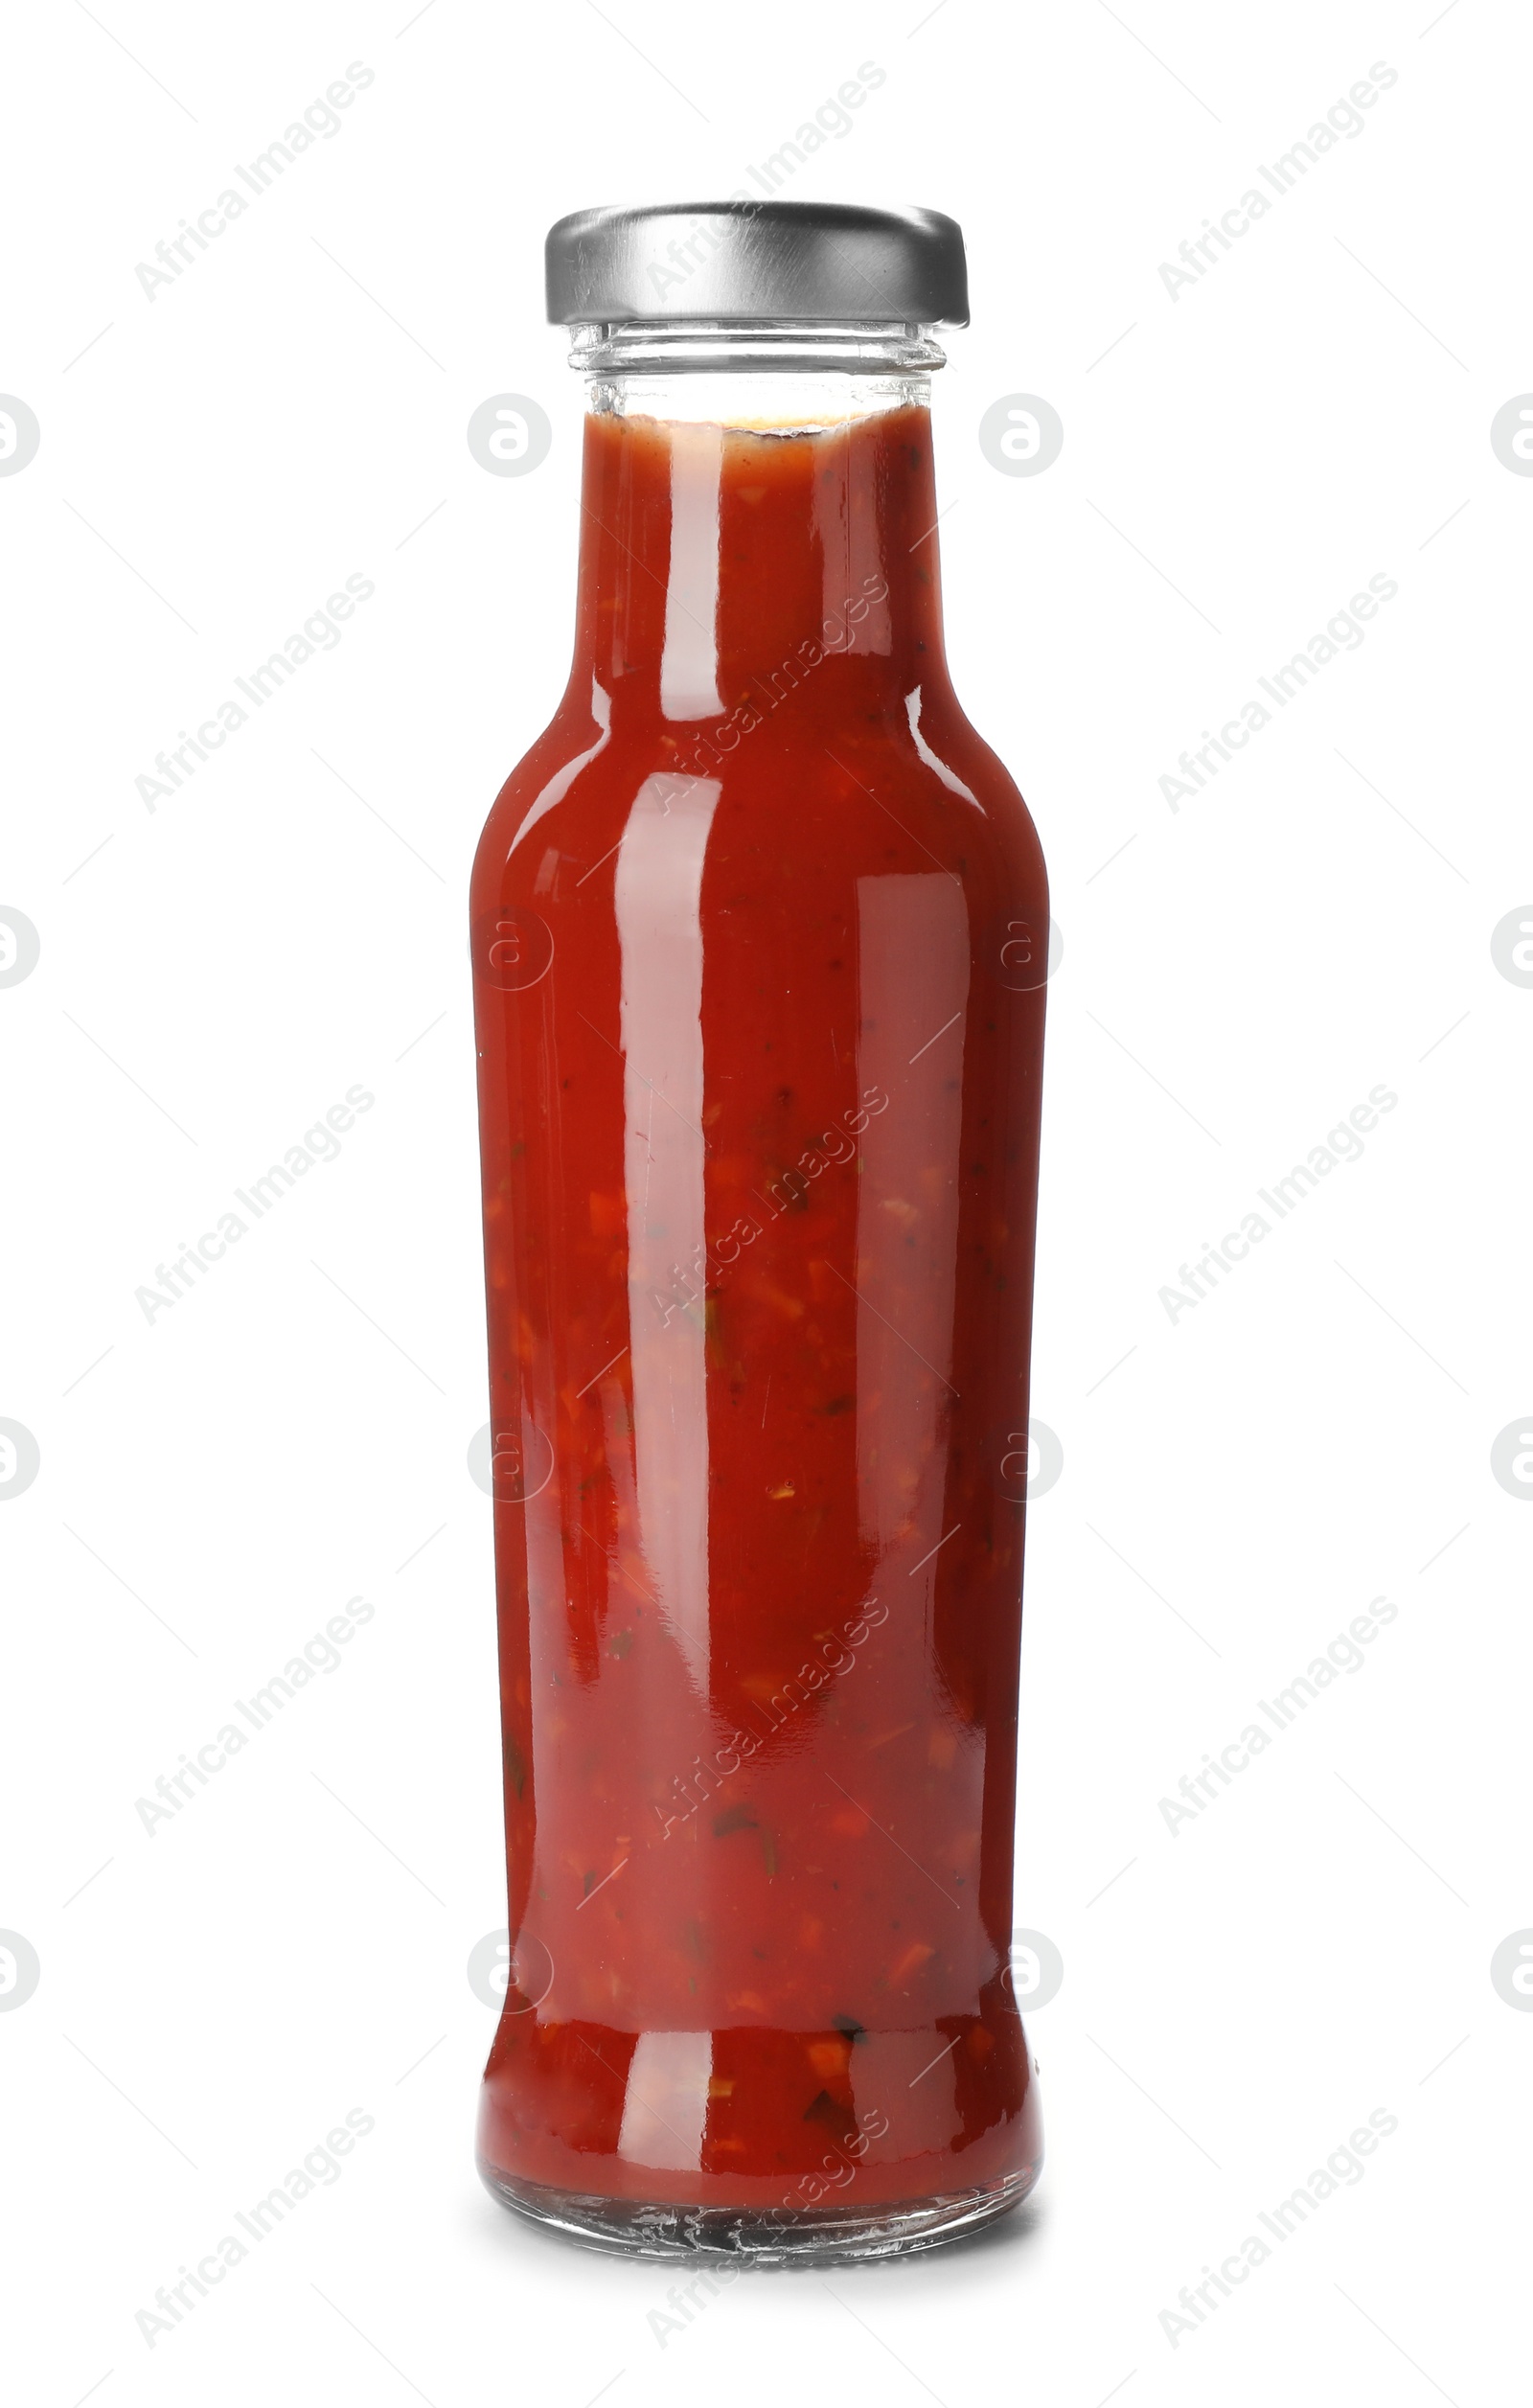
{"points": [[1237, 974]]}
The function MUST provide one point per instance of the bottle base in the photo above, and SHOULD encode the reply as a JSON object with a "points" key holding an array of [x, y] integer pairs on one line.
{"points": [[805, 2236]]}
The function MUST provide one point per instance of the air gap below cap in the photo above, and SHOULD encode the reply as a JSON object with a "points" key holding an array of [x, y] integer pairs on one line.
{"points": [[744, 260]]}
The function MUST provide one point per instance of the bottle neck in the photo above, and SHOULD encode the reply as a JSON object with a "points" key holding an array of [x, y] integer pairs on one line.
{"points": [[757, 529]]}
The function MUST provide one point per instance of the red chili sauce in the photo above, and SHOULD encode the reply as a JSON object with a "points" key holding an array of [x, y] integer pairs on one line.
{"points": [[759, 928]]}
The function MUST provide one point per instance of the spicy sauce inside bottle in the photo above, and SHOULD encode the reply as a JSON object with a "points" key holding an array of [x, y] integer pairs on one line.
{"points": [[760, 934]]}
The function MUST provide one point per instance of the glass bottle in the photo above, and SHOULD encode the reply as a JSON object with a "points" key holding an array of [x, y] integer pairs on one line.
{"points": [[759, 932]]}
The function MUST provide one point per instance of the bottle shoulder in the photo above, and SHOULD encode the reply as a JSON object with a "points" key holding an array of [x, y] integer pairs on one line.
{"points": [[848, 790]]}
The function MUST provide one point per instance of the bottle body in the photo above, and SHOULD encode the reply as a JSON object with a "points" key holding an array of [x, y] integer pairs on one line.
{"points": [[760, 934]]}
